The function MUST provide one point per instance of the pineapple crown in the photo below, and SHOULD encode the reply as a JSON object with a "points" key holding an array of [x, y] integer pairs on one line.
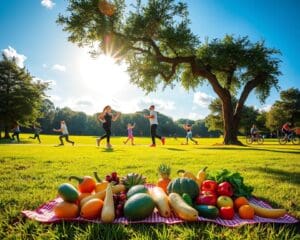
{"points": [[164, 169]]}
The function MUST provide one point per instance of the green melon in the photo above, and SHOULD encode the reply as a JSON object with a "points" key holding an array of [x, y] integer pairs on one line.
{"points": [[136, 189], [183, 185], [68, 192], [139, 206]]}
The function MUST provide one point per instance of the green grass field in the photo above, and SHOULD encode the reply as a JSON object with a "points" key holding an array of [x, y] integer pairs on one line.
{"points": [[30, 174]]}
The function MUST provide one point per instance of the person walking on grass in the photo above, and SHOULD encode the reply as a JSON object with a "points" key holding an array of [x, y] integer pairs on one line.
{"points": [[64, 133], [36, 131], [16, 131], [153, 126], [189, 134], [130, 133], [106, 117]]}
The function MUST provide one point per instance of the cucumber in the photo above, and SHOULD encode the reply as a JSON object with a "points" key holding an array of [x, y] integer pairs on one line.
{"points": [[207, 211]]}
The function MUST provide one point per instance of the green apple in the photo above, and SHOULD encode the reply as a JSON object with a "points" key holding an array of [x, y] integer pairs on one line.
{"points": [[224, 201]]}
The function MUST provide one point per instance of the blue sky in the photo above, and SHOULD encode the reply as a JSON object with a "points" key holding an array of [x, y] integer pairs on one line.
{"points": [[28, 31]]}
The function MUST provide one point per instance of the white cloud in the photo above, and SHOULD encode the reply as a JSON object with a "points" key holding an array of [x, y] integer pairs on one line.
{"points": [[55, 98], [195, 116], [45, 65], [59, 67], [48, 4], [264, 108], [202, 99], [160, 105], [50, 81], [11, 53]]}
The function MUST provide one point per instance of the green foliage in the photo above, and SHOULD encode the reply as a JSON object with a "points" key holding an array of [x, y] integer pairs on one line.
{"points": [[236, 180], [20, 96], [155, 40], [30, 175], [285, 109]]}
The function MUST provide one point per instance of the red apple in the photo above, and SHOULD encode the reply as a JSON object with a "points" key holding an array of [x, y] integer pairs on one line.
{"points": [[226, 213]]}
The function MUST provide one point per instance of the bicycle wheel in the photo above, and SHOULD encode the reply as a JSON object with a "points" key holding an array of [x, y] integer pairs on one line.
{"points": [[260, 140], [296, 140], [282, 140], [249, 140]]}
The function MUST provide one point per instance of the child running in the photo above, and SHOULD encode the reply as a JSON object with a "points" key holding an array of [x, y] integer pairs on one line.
{"points": [[130, 133], [36, 131], [189, 134], [64, 133], [106, 117]]}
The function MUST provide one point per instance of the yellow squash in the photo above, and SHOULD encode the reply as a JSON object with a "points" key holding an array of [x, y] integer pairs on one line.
{"points": [[268, 212], [201, 176], [161, 201], [181, 208], [101, 195], [108, 210]]}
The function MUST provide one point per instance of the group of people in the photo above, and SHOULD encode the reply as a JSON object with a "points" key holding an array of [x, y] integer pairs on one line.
{"points": [[107, 117]]}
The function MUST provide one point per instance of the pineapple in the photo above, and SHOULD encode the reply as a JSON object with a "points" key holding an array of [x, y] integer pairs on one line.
{"points": [[133, 179], [164, 171]]}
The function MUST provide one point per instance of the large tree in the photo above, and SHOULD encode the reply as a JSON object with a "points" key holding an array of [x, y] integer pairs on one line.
{"points": [[20, 96], [285, 109], [160, 49], [249, 116]]}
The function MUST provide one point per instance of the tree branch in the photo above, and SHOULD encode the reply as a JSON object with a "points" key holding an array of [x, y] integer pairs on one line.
{"points": [[169, 76]]}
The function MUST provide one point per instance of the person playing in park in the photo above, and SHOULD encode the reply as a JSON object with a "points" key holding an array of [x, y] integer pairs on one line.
{"points": [[189, 134], [36, 131], [64, 133], [153, 126], [254, 131], [16, 131], [130, 137], [106, 117]]}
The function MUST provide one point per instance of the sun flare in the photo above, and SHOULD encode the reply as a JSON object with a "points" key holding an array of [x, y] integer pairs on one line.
{"points": [[103, 74]]}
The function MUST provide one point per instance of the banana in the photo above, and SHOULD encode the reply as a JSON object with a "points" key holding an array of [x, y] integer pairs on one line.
{"points": [[268, 212]]}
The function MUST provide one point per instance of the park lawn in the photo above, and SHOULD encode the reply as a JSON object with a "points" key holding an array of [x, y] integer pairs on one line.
{"points": [[30, 174]]}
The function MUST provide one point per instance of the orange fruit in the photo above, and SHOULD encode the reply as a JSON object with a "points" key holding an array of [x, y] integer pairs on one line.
{"points": [[240, 201], [246, 212]]}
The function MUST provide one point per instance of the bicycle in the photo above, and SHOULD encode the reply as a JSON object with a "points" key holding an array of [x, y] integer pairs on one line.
{"points": [[291, 137], [254, 138]]}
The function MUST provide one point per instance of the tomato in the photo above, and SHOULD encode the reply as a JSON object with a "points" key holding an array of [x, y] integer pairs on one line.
{"points": [[210, 186], [226, 213], [225, 189]]}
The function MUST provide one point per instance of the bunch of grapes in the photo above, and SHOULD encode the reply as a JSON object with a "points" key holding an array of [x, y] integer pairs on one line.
{"points": [[119, 201], [113, 177]]}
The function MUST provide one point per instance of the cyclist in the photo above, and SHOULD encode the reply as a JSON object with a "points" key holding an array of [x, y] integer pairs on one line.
{"points": [[254, 131], [286, 129]]}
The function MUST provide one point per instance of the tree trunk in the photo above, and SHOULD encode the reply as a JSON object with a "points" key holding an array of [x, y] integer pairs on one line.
{"points": [[230, 125]]}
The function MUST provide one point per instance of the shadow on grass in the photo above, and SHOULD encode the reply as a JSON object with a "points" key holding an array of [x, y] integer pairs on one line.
{"points": [[291, 177], [247, 148], [176, 149]]}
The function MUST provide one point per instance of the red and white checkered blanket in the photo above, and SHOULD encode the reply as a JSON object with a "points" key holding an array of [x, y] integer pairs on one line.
{"points": [[45, 214]]}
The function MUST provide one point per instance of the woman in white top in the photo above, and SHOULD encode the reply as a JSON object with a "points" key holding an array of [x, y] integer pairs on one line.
{"points": [[64, 133], [153, 126]]}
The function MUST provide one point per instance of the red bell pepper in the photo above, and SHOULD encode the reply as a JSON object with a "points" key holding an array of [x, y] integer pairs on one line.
{"points": [[206, 199], [225, 189], [209, 186], [86, 184]]}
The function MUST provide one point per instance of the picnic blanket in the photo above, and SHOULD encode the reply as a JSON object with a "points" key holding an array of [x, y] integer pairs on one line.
{"points": [[45, 214]]}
